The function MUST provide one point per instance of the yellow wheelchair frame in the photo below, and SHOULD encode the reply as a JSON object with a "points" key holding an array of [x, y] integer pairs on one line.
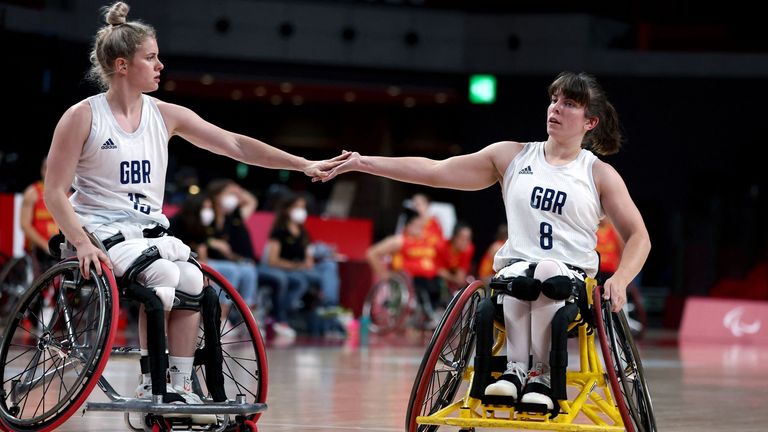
{"points": [[599, 396]]}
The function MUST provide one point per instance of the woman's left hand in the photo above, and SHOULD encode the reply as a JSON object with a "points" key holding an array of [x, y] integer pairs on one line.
{"points": [[321, 169], [616, 292]]}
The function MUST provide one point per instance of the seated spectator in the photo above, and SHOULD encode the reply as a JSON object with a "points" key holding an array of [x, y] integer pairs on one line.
{"points": [[190, 224], [454, 258], [288, 249], [230, 250]]}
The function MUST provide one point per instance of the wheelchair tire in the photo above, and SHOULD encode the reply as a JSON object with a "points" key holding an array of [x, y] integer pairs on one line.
{"points": [[50, 360], [388, 303], [245, 359], [448, 354], [16, 276], [625, 370]]}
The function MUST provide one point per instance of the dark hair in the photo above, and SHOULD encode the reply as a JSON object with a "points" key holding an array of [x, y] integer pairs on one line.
{"points": [[214, 189], [281, 212], [119, 38], [458, 227], [216, 186], [408, 214], [189, 217], [605, 138]]}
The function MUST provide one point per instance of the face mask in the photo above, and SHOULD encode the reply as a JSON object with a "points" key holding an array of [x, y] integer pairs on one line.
{"points": [[229, 202], [206, 216], [298, 215]]}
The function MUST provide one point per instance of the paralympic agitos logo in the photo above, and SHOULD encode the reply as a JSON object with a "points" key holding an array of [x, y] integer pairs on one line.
{"points": [[733, 322]]}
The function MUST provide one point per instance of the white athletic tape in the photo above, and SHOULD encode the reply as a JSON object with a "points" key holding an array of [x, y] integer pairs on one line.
{"points": [[166, 295], [172, 248]]}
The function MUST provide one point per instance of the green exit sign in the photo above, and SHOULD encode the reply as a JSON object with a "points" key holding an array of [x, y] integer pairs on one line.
{"points": [[482, 89]]}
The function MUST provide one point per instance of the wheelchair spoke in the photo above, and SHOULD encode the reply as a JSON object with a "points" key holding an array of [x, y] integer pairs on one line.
{"points": [[81, 313], [231, 376], [243, 367], [29, 348], [26, 368]]}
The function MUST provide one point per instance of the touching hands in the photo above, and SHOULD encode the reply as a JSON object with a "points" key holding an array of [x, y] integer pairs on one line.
{"points": [[320, 170], [351, 162]]}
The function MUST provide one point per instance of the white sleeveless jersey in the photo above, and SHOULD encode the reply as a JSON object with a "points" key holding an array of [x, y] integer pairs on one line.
{"points": [[552, 211], [120, 177]]}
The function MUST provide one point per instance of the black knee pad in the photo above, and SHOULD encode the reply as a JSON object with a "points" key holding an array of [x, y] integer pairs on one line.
{"points": [[524, 288], [187, 302], [558, 287]]}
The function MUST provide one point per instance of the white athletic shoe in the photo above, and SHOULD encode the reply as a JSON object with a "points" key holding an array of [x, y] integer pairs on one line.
{"points": [[538, 389], [510, 383], [192, 398], [143, 391], [284, 330]]}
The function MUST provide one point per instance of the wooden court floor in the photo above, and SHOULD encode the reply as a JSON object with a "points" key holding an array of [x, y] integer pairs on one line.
{"points": [[332, 386]]}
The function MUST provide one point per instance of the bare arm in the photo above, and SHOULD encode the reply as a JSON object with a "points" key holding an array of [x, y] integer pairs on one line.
{"points": [[68, 139], [27, 213], [623, 212], [474, 171], [188, 125], [248, 203], [376, 253], [458, 277]]}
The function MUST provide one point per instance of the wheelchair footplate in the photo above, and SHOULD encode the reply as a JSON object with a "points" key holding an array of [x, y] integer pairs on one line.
{"points": [[504, 403], [233, 407]]}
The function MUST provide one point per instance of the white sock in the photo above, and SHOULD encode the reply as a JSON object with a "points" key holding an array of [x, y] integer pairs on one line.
{"points": [[180, 369]]}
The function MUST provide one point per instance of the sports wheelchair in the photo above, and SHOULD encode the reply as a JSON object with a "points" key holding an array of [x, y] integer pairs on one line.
{"points": [[391, 302], [48, 371], [608, 394]]}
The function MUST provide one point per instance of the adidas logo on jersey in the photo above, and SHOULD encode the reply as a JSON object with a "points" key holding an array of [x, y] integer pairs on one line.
{"points": [[526, 170], [108, 144]]}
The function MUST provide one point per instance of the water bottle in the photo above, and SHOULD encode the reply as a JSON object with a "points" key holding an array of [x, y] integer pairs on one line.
{"points": [[365, 322], [353, 332]]}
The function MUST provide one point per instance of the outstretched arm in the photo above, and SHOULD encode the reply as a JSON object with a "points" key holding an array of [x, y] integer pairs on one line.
{"points": [[474, 171], [68, 140], [188, 125], [623, 212]]}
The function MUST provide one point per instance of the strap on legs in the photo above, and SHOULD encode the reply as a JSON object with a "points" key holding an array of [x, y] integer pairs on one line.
{"points": [[210, 355], [486, 310], [558, 356], [157, 359]]}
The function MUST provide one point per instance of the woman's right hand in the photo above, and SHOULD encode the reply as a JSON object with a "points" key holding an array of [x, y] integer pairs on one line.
{"points": [[351, 162], [88, 254]]}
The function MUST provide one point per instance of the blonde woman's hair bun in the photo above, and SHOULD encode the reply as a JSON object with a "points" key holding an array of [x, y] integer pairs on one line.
{"points": [[117, 14]]}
